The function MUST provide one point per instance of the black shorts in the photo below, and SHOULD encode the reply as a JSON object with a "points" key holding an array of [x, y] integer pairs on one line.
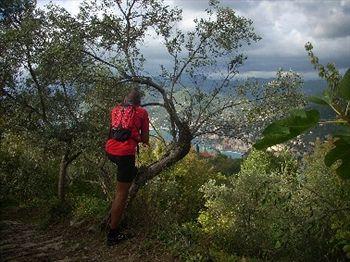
{"points": [[127, 170]]}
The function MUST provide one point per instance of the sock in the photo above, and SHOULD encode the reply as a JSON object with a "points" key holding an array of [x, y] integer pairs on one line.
{"points": [[113, 232]]}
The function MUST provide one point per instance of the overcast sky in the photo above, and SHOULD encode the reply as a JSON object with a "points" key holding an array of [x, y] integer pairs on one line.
{"points": [[285, 27]]}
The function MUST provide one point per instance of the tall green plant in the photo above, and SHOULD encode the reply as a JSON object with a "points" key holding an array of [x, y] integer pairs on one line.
{"points": [[337, 97]]}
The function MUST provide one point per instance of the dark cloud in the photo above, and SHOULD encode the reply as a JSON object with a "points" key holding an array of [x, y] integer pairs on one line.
{"points": [[285, 27], [334, 30], [329, 19], [337, 25], [300, 63]]}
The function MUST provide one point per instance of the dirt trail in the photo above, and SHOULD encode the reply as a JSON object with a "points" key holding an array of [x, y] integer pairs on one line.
{"points": [[25, 242], [20, 242]]}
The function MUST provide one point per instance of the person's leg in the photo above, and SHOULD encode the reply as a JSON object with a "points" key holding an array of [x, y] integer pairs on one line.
{"points": [[118, 205], [126, 174]]}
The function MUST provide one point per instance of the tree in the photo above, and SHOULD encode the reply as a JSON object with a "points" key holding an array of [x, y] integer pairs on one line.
{"points": [[46, 81], [115, 32], [68, 58]]}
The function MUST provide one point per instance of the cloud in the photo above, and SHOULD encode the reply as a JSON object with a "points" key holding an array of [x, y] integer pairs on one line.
{"points": [[285, 27], [72, 6], [336, 25]]}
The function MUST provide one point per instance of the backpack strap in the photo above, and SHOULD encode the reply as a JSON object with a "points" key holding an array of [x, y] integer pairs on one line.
{"points": [[120, 113]]}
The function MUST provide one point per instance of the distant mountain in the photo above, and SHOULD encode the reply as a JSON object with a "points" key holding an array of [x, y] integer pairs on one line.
{"points": [[314, 87], [310, 87]]}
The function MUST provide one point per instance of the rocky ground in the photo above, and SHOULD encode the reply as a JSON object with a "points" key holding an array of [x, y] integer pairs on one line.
{"points": [[24, 241]]}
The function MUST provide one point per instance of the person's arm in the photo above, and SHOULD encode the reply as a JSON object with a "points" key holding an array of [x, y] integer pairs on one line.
{"points": [[145, 129]]}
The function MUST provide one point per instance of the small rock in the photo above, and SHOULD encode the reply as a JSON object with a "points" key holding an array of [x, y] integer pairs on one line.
{"points": [[92, 229], [75, 247], [76, 223], [66, 259]]}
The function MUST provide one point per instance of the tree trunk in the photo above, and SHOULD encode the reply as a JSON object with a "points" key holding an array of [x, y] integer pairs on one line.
{"points": [[147, 173], [66, 159], [63, 177]]}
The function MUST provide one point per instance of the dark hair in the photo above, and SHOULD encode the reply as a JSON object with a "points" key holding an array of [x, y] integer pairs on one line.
{"points": [[134, 97]]}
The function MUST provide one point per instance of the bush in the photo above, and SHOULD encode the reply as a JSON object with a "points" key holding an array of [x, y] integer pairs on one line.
{"points": [[323, 205], [168, 206], [271, 210], [246, 214], [89, 208], [175, 193], [225, 164], [26, 172]]}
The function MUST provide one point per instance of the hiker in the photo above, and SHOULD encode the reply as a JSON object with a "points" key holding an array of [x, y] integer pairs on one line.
{"points": [[129, 126]]}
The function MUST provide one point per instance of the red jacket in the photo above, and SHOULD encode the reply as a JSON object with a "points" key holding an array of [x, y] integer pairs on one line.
{"points": [[139, 133]]}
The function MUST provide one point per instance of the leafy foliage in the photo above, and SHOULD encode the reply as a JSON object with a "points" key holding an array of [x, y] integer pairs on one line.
{"points": [[344, 86], [226, 165], [26, 174], [176, 194], [50, 91], [89, 208], [56, 92], [272, 209], [290, 127], [341, 151], [337, 97]]}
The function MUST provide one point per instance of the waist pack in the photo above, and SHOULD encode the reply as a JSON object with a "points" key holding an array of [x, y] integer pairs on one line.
{"points": [[120, 134]]}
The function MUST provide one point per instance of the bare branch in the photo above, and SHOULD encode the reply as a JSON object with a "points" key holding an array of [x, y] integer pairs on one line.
{"points": [[168, 103], [159, 136], [73, 157], [104, 61], [153, 104], [36, 81], [125, 48], [146, 81], [189, 60], [23, 103], [207, 132], [213, 96], [66, 99]]}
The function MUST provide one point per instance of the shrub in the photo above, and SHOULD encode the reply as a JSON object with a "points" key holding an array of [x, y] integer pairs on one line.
{"points": [[26, 173], [246, 214], [271, 210], [89, 208], [174, 195], [225, 164]]}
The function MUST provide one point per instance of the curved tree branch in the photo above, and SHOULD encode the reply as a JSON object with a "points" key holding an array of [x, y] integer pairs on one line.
{"points": [[153, 104]]}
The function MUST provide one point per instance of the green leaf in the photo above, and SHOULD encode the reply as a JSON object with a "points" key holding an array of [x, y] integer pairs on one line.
{"points": [[318, 100], [343, 134], [278, 244], [341, 151], [344, 169], [344, 131], [344, 85], [334, 154], [327, 96], [283, 130], [275, 128]]}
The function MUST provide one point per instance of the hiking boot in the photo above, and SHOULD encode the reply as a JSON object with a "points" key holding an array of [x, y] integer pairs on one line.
{"points": [[114, 238]]}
